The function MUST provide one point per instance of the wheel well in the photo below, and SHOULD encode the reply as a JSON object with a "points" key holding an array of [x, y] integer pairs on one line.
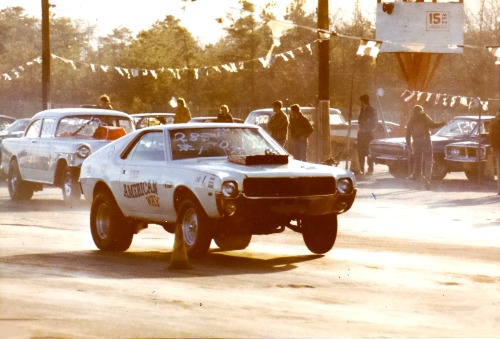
{"points": [[181, 193], [101, 187]]}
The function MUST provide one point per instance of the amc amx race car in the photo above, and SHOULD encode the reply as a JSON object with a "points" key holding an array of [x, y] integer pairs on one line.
{"points": [[219, 181]]}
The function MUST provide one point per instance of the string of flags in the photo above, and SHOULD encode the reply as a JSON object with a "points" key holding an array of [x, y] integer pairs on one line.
{"points": [[447, 100], [177, 73], [367, 47]]}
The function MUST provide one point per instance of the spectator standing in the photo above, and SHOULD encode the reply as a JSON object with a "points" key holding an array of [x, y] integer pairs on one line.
{"points": [[105, 102], [278, 123], [300, 130], [418, 139], [182, 113], [367, 122], [495, 144], [224, 115]]}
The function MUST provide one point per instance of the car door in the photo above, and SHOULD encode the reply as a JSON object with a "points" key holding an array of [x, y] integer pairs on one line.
{"points": [[143, 188], [42, 163], [23, 149]]}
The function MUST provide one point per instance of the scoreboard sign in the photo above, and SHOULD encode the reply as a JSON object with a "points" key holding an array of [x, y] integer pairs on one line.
{"points": [[426, 27]]}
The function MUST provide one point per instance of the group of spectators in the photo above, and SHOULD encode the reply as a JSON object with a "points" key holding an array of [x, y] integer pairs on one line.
{"points": [[298, 128]]}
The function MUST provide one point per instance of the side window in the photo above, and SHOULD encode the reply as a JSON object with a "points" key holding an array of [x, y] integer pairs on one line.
{"points": [[34, 129], [48, 128], [151, 147]]}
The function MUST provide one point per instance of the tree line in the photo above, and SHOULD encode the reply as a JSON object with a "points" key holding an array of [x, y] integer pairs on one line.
{"points": [[167, 44]]}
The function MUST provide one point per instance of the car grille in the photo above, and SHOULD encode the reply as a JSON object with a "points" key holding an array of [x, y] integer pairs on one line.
{"points": [[395, 150], [288, 187]]}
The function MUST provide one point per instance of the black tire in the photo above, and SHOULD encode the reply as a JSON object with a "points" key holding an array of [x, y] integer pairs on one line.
{"points": [[439, 169], [18, 188], [108, 226], [196, 228], [472, 172], [232, 242], [399, 170], [69, 185], [320, 232]]}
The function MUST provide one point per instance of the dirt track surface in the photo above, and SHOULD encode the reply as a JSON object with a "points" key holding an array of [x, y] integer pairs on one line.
{"points": [[407, 263]]}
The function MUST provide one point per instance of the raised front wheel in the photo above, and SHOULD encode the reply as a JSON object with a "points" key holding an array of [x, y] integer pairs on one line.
{"points": [[196, 228], [320, 232]]}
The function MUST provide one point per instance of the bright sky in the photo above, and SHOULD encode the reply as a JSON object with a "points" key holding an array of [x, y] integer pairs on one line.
{"points": [[199, 17]]}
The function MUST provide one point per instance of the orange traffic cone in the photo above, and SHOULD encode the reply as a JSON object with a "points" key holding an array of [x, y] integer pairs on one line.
{"points": [[179, 260]]}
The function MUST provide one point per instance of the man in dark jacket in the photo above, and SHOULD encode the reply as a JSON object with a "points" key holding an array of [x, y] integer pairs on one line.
{"points": [[300, 130], [278, 123], [495, 144], [367, 122], [418, 130]]}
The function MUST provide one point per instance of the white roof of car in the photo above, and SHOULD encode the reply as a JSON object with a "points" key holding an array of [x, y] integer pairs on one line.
{"points": [[58, 112]]}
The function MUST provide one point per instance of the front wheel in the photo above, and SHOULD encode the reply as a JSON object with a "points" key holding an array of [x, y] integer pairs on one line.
{"points": [[196, 228], [18, 188], [108, 226], [439, 169], [319, 232], [69, 184], [399, 170]]}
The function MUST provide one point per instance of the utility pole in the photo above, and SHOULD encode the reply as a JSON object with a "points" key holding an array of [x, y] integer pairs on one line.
{"points": [[45, 55], [323, 114]]}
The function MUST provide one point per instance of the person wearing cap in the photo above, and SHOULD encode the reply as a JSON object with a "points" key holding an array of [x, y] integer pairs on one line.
{"points": [[300, 130], [104, 102], [367, 122], [224, 115], [418, 141], [278, 123]]}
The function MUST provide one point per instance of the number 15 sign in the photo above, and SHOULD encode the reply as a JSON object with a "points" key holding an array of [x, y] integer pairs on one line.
{"points": [[437, 21]]}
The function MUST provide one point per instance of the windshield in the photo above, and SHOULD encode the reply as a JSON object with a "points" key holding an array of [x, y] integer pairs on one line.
{"points": [[216, 142], [457, 128], [86, 125], [18, 125]]}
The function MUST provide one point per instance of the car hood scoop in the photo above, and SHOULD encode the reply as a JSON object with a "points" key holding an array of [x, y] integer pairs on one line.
{"points": [[261, 159]]}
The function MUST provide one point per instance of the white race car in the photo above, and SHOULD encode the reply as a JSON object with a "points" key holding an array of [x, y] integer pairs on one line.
{"points": [[221, 181]]}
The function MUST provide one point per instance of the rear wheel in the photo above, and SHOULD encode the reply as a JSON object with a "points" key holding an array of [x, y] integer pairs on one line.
{"points": [[108, 226], [319, 232], [69, 184], [18, 188], [196, 227], [230, 242]]}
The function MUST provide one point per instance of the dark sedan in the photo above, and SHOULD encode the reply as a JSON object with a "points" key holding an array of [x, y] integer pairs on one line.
{"points": [[394, 153]]}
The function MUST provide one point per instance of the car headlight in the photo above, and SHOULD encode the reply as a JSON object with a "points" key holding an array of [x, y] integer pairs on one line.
{"points": [[345, 186], [83, 151], [229, 189], [455, 152]]}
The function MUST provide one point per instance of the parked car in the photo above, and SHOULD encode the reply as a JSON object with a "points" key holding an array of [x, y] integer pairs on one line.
{"points": [[394, 153], [339, 128], [213, 119], [54, 145], [474, 158], [5, 121], [220, 181], [142, 120]]}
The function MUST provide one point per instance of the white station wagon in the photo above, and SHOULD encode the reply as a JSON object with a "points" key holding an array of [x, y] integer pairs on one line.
{"points": [[219, 181], [54, 145]]}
